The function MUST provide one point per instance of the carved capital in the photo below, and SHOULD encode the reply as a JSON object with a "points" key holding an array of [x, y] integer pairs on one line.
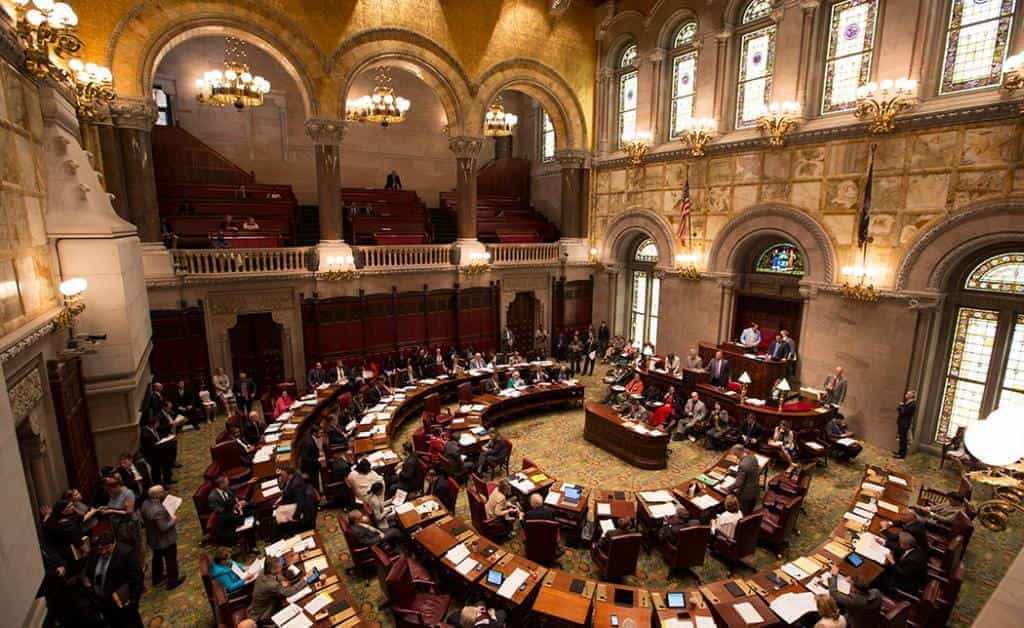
{"points": [[325, 131], [724, 35], [25, 394], [465, 147], [605, 74], [571, 159], [810, 6], [657, 55], [131, 113]]}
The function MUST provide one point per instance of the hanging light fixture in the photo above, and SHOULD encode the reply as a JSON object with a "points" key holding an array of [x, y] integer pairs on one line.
{"points": [[92, 86], [235, 85], [497, 123], [46, 27], [382, 106]]}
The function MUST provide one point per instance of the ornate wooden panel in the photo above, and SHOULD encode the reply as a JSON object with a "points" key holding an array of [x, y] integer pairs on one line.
{"points": [[68, 392]]}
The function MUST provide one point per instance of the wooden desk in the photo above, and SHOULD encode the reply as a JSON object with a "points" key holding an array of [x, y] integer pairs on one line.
{"points": [[704, 513], [608, 431], [763, 372], [695, 607], [568, 513], [413, 518], [539, 485], [557, 599], [435, 539], [606, 606], [506, 565], [329, 583], [723, 604]]}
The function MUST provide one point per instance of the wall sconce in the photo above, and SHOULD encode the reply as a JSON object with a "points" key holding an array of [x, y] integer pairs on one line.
{"points": [[686, 266], [783, 388], [880, 103], [745, 381], [636, 145], [46, 27], [93, 86], [697, 132], [72, 290], [1013, 72], [479, 263], [778, 119], [340, 268], [594, 255], [864, 288]]}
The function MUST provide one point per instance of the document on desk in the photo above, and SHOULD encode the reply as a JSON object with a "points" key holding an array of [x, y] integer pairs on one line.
{"points": [[748, 613], [604, 508], [511, 585], [793, 571], [857, 518], [298, 595], [846, 442], [286, 614], [317, 562], [704, 502], [457, 554], [656, 497], [888, 506], [466, 566], [872, 547], [792, 606], [318, 604], [660, 511], [299, 621], [872, 487], [607, 525], [675, 622], [401, 509], [553, 498], [266, 485], [726, 484], [285, 513], [705, 622]]}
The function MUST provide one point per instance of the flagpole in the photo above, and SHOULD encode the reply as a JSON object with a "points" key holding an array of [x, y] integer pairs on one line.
{"points": [[864, 247]]}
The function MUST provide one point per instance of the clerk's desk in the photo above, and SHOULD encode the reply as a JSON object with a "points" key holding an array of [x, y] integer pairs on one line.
{"points": [[763, 372]]}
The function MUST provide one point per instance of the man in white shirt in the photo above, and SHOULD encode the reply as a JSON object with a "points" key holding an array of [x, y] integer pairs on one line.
{"points": [[751, 336]]}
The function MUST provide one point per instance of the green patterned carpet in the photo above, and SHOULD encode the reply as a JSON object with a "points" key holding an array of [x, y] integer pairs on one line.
{"points": [[555, 442]]}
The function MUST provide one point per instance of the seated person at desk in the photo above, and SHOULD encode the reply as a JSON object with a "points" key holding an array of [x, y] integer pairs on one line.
{"points": [[366, 535], [694, 413], [674, 524], [380, 508], [283, 404], [693, 361], [720, 427], [563, 375], [635, 411], [295, 490], [538, 509], [725, 523], [718, 367], [664, 415], [862, 610], [271, 592], [539, 375], [453, 454], [515, 381], [750, 431], [491, 386], [619, 375], [635, 385], [498, 506], [912, 524], [673, 365], [836, 430], [829, 612], [229, 224], [316, 375], [948, 513], [235, 433], [439, 486], [784, 440], [362, 478], [477, 362], [222, 569], [229, 509], [407, 376], [250, 224], [410, 476], [750, 338], [494, 452], [909, 570], [479, 616], [621, 527]]}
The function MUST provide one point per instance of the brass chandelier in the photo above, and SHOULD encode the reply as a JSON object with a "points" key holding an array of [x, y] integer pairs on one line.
{"points": [[497, 123], [235, 85], [93, 86], [46, 28], [380, 107]]}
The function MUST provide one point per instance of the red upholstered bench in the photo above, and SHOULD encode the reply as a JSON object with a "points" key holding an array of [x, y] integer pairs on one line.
{"points": [[399, 238]]}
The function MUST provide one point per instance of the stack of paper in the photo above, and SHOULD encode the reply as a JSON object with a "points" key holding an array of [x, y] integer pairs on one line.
{"points": [[604, 509], [298, 595], [725, 484], [466, 566], [792, 606], [656, 497], [457, 554], [872, 487], [790, 569], [286, 614], [404, 508], [660, 511], [895, 479], [748, 613], [872, 547], [846, 442], [511, 585], [607, 525], [318, 604], [704, 501], [553, 498]]}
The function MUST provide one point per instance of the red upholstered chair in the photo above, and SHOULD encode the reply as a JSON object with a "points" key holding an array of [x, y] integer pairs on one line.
{"points": [[541, 540], [496, 529], [362, 557], [527, 463], [924, 607], [228, 457], [432, 406], [785, 484], [734, 386], [229, 611], [617, 557], [780, 515], [383, 561], [480, 486], [204, 575], [465, 392], [412, 607], [420, 439], [894, 613], [687, 549], [200, 499], [743, 543]]}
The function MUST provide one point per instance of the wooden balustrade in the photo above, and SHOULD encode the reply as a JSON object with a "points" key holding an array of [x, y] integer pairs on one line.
{"points": [[240, 261], [523, 254], [394, 257]]}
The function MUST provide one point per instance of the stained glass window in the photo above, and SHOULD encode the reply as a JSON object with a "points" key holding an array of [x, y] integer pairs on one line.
{"points": [[851, 40], [547, 137], [780, 259], [685, 35], [645, 296], [756, 10], [647, 252], [757, 61], [1001, 273], [969, 360], [976, 43], [627, 105], [628, 57], [1012, 392], [684, 78]]}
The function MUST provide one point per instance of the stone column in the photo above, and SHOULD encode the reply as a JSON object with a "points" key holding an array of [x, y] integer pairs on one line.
{"points": [[327, 136], [99, 137], [808, 8], [657, 58], [605, 95], [721, 63], [574, 226], [466, 150], [134, 120]]}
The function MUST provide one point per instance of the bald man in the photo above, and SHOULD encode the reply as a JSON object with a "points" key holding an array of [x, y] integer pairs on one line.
{"points": [[835, 388], [162, 537]]}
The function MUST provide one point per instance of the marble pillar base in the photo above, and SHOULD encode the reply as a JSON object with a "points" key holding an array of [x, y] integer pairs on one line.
{"points": [[328, 252], [469, 251], [575, 250], [157, 261]]}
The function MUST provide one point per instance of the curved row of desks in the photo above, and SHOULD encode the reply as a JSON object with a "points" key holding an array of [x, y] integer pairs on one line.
{"points": [[577, 600]]}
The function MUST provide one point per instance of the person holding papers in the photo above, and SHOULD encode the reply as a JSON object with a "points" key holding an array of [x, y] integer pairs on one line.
{"points": [[829, 612], [720, 427], [158, 453], [784, 440], [115, 576], [750, 431], [621, 527], [842, 438], [750, 338], [295, 490], [439, 486], [862, 606], [909, 570], [230, 510], [226, 570], [498, 506], [725, 523], [270, 593], [162, 537], [362, 478], [380, 508]]}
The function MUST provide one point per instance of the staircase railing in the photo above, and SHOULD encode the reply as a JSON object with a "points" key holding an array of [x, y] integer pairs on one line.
{"points": [[412, 256], [241, 261], [523, 254]]}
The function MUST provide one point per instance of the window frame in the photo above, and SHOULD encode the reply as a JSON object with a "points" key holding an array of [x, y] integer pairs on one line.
{"points": [[641, 267], [747, 29], [677, 56], [622, 73], [541, 135], [165, 109], [866, 70], [950, 48]]}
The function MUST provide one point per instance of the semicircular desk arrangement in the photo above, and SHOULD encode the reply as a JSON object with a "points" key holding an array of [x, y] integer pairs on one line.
{"points": [[772, 597]]}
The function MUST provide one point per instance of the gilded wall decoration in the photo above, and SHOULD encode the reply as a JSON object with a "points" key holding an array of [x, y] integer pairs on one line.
{"points": [[251, 302], [25, 394]]}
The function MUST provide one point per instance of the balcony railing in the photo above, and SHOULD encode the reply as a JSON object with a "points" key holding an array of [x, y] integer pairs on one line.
{"points": [[240, 261], [397, 257], [523, 254]]}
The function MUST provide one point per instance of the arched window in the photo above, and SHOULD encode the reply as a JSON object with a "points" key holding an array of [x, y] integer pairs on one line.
{"points": [[780, 259], [547, 137], [645, 291], [684, 77], [627, 93], [851, 41], [757, 63], [986, 359], [976, 42], [163, 106]]}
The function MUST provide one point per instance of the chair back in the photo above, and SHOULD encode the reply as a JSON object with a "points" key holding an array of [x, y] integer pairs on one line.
{"points": [[541, 540], [432, 404], [204, 575], [623, 552], [465, 392], [895, 613], [787, 514], [227, 454], [420, 439], [688, 547], [479, 484], [454, 486], [527, 463], [747, 530], [361, 556], [382, 562], [398, 584]]}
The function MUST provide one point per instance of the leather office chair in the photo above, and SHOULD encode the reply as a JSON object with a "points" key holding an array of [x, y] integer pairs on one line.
{"points": [[742, 544], [784, 483], [204, 575], [409, 606], [383, 562], [432, 406], [494, 529], [200, 499], [779, 521], [228, 457], [687, 549], [362, 557], [229, 610], [894, 613], [924, 606], [464, 391], [420, 439], [617, 557], [527, 463], [482, 488], [541, 540]]}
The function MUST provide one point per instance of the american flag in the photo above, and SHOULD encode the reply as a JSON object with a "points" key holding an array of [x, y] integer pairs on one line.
{"points": [[684, 214], [864, 220]]}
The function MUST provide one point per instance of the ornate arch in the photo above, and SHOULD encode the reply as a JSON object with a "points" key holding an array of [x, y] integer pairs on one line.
{"points": [[151, 28], [621, 230], [731, 242], [940, 249], [672, 23], [541, 83], [422, 56]]}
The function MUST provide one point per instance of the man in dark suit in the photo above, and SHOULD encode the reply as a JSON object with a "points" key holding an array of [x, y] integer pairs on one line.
{"points": [[393, 182], [747, 488], [316, 375], [439, 487], [862, 609], [604, 335], [270, 592], [904, 419], [780, 348], [718, 367], [453, 454], [750, 432], [410, 476], [835, 388], [245, 392], [115, 576], [309, 455], [297, 491], [493, 453], [538, 510], [186, 403], [162, 538], [229, 509], [160, 457], [621, 527], [156, 398], [675, 524], [908, 571], [366, 535]]}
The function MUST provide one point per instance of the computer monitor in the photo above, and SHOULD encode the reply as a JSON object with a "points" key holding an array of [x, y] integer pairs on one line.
{"points": [[623, 597], [675, 599], [495, 577]]}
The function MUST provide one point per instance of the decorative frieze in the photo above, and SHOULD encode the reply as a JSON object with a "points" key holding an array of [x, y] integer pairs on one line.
{"points": [[325, 131]]}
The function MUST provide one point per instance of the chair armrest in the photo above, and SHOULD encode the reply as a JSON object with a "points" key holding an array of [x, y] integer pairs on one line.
{"points": [[408, 611]]}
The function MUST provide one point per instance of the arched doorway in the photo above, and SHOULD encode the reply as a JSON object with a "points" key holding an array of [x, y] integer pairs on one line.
{"points": [[984, 352], [769, 272], [521, 319], [257, 349], [644, 292]]}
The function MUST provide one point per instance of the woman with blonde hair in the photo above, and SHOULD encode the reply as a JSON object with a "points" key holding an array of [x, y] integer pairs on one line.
{"points": [[725, 523], [829, 611]]}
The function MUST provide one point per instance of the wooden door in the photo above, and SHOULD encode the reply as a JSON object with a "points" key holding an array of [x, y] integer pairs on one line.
{"points": [[521, 319], [772, 314], [76, 440], [256, 349]]}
